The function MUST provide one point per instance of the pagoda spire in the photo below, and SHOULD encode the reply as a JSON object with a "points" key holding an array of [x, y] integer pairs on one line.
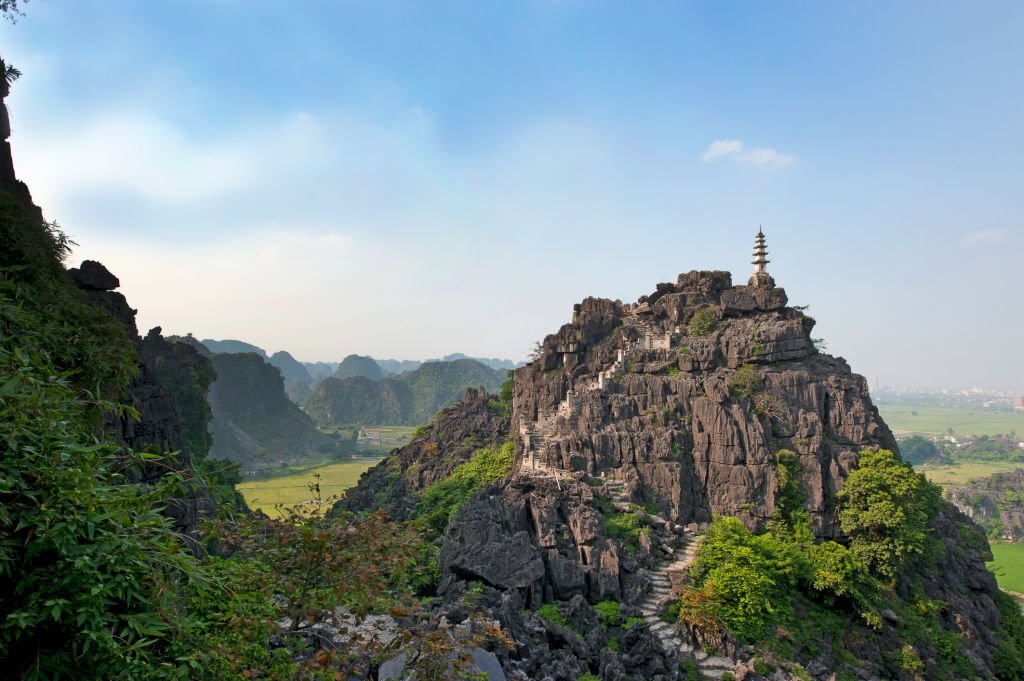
{"points": [[760, 278]]}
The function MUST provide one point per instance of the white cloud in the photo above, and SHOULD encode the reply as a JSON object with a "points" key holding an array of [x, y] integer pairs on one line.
{"points": [[757, 156], [765, 156], [984, 236], [722, 148]]}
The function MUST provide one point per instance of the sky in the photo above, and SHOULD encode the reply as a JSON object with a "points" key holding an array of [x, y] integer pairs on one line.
{"points": [[412, 179]]}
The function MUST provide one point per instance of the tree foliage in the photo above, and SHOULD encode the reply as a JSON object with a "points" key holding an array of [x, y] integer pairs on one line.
{"points": [[885, 510], [703, 322]]}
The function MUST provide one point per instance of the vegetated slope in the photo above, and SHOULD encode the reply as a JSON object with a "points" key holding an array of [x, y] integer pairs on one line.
{"points": [[450, 439], [720, 405], [254, 422], [357, 365], [408, 399]]}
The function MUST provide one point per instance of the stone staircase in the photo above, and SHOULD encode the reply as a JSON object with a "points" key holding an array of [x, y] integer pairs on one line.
{"points": [[537, 433], [681, 549]]}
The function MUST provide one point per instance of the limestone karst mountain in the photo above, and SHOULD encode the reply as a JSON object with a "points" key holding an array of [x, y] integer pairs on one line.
{"points": [[634, 428], [254, 422], [358, 365]]}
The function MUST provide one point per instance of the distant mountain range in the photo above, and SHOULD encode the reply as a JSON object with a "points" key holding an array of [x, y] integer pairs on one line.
{"points": [[410, 398], [358, 390]]}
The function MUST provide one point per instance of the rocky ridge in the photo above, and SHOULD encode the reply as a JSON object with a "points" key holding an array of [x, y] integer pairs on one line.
{"points": [[685, 396]]}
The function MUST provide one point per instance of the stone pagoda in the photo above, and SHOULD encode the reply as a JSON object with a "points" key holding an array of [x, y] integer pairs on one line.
{"points": [[760, 278]]}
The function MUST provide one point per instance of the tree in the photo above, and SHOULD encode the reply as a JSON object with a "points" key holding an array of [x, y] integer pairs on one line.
{"points": [[10, 9], [917, 450], [885, 510]]}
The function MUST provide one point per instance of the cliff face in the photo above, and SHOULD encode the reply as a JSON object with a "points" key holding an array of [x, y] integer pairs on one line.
{"points": [[451, 438], [674, 417], [411, 398]]}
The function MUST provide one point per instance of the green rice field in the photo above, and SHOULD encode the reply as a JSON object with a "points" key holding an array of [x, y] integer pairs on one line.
{"points": [[932, 420], [961, 473], [1008, 566], [292, 488]]}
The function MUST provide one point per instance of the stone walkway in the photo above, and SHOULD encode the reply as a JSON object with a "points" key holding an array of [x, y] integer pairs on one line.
{"points": [[683, 549]]}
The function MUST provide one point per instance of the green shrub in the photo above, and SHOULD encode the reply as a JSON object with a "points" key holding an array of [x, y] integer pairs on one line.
{"points": [[632, 622], [745, 381], [625, 526], [703, 322], [441, 500], [551, 613], [609, 612]]}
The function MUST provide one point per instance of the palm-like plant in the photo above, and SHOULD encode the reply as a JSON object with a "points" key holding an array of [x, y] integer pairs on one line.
{"points": [[11, 74]]}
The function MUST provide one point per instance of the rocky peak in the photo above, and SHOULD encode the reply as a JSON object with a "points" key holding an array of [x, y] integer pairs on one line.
{"points": [[659, 392]]}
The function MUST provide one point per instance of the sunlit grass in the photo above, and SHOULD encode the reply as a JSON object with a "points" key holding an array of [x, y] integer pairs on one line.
{"points": [[1008, 566], [962, 473], [292, 488]]}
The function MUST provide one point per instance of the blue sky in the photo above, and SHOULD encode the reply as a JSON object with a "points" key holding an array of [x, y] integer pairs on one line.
{"points": [[409, 179]]}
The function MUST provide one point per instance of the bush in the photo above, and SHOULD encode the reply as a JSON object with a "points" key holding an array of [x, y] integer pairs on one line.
{"points": [[609, 612], [703, 322], [745, 381], [625, 526], [551, 613]]}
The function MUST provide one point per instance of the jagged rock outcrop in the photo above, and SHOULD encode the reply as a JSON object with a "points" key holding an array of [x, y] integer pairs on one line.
{"points": [[411, 398], [670, 420], [542, 537], [450, 439], [188, 375], [158, 424], [687, 396]]}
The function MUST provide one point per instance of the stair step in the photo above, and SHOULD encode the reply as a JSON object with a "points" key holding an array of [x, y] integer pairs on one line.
{"points": [[714, 662]]}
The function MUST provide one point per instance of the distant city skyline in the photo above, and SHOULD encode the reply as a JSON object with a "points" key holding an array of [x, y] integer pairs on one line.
{"points": [[409, 180]]}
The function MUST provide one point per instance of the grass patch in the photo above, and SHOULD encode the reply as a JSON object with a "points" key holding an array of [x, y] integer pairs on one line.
{"points": [[961, 473], [1008, 566], [292, 488]]}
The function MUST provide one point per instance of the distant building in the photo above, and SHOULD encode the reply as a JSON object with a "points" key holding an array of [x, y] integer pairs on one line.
{"points": [[369, 436], [1018, 402]]}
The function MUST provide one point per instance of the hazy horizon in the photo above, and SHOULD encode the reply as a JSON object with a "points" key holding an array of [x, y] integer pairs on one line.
{"points": [[406, 181]]}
